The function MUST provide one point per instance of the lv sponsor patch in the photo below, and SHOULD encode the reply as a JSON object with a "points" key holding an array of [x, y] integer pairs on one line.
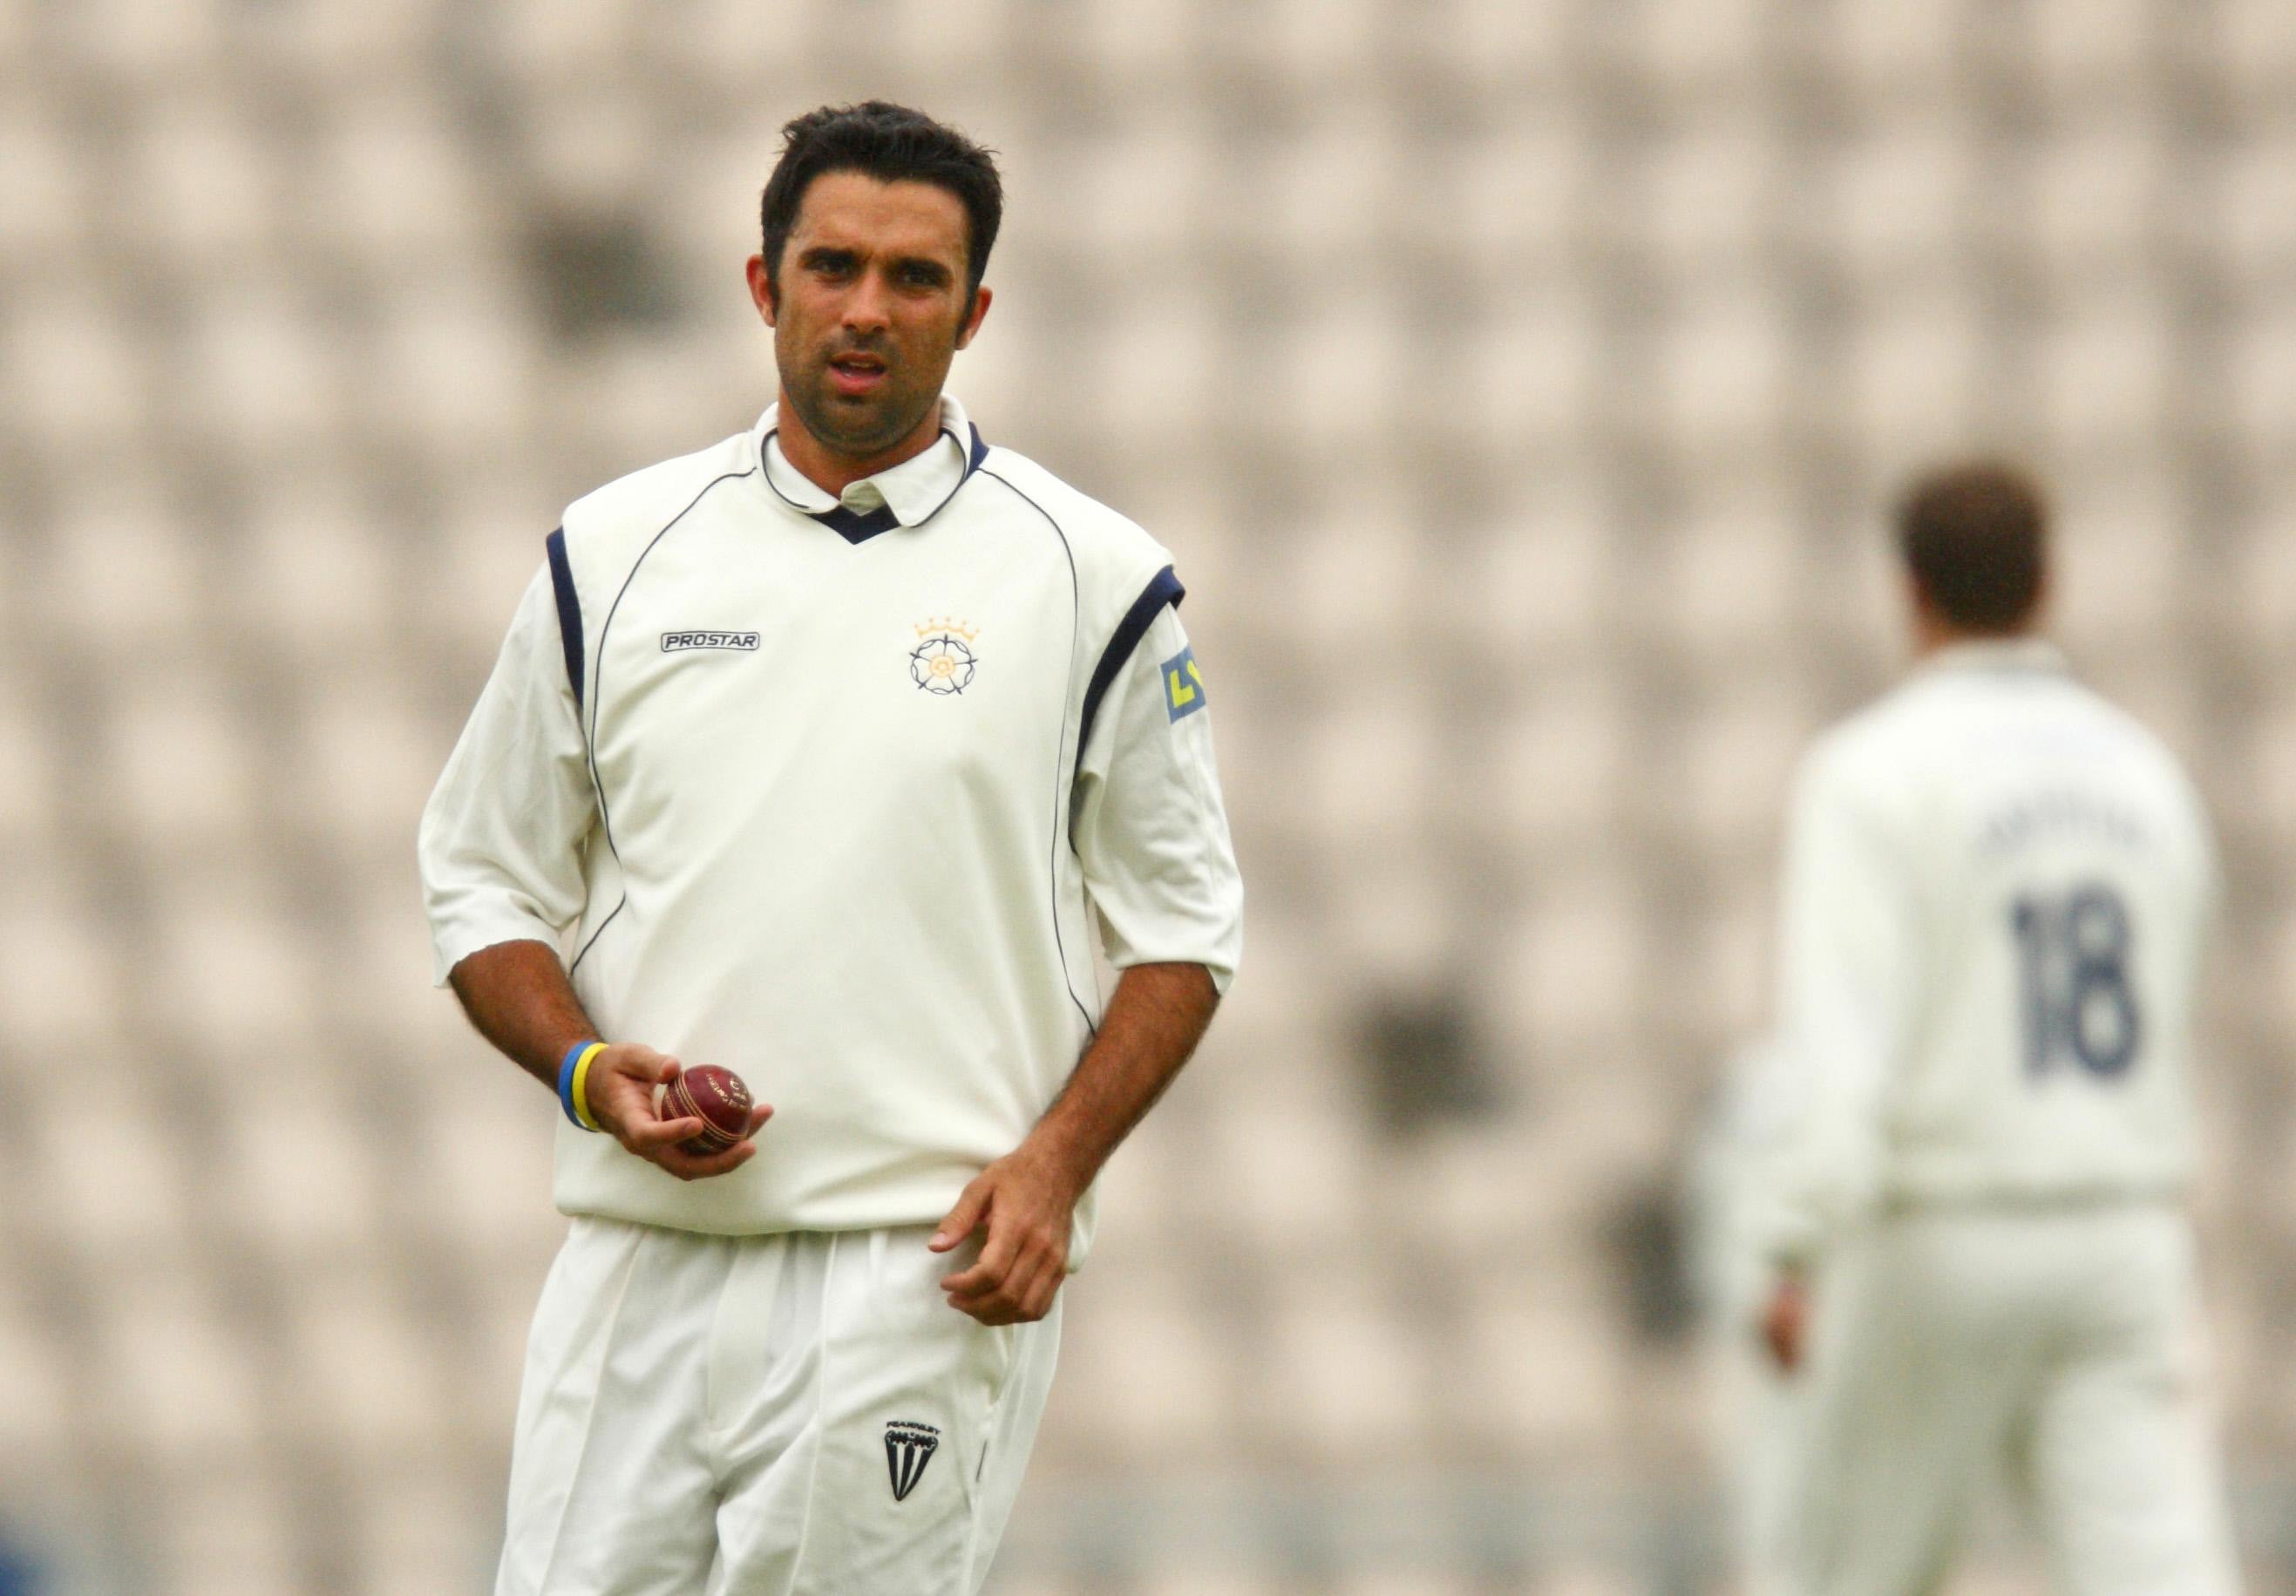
{"points": [[1184, 684]]}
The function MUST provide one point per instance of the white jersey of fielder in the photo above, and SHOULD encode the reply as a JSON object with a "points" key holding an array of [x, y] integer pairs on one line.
{"points": [[1996, 891], [825, 791]]}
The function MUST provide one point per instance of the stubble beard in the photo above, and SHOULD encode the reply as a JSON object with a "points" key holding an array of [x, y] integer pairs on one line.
{"points": [[857, 429]]}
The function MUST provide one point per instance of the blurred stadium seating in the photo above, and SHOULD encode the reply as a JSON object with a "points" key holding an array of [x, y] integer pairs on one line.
{"points": [[1517, 381]]}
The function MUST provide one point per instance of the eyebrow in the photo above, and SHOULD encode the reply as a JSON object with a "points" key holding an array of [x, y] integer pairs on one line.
{"points": [[830, 254]]}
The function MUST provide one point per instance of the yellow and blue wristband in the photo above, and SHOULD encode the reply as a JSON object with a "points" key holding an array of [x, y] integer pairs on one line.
{"points": [[574, 1081]]}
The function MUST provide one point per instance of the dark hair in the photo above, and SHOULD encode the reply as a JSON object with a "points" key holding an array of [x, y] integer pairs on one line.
{"points": [[1975, 537], [893, 144]]}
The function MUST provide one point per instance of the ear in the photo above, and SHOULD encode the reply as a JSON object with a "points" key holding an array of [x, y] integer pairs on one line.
{"points": [[979, 314], [761, 288]]}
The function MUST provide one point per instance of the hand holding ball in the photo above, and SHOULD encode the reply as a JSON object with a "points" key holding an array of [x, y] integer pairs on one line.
{"points": [[715, 1096]]}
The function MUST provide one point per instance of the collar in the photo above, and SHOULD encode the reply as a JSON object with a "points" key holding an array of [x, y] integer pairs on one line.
{"points": [[1995, 654], [907, 494]]}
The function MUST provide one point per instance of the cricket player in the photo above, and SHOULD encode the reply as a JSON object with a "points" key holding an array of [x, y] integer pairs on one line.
{"points": [[818, 755], [1996, 890]]}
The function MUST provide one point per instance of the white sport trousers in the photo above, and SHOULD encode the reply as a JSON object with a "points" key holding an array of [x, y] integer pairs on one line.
{"points": [[799, 1414], [2054, 1349]]}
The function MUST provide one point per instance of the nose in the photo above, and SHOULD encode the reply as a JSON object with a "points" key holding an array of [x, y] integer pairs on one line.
{"points": [[868, 308]]}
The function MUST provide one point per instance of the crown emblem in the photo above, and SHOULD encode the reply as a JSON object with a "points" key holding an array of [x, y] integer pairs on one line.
{"points": [[943, 662]]}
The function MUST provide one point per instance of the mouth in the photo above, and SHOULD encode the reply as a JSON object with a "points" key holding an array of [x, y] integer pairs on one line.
{"points": [[856, 374]]}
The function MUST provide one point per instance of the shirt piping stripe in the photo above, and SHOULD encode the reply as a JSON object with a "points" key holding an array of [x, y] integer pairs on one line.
{"points": [[1062, 763], [570, 612], [1163, 588], [597, 679]]}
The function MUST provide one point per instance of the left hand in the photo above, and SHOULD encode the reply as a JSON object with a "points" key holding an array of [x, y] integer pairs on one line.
{"points": [[1025, 1199], [1785, 1323]]}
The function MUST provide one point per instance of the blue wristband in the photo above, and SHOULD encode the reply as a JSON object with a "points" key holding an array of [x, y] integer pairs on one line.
{"points": [[573, 1071]]}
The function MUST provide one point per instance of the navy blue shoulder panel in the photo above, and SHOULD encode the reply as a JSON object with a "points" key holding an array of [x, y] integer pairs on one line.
{"points": [[569, 611], [1164, 588]]}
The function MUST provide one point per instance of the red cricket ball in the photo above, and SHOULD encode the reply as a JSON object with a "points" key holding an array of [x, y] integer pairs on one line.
{"points": [[715, 1096]]}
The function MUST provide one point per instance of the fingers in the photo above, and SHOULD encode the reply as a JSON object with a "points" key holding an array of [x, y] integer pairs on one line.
{"points": [[640, 1063], [995, 1263], [1025, 1297], [663, 1133], [1018, 1273], [702, 1167], [971, 1205], [664, 1142]]}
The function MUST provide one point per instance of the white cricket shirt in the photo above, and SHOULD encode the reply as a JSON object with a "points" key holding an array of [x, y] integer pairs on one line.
{"points": [[823, 791], [1996, 889]]}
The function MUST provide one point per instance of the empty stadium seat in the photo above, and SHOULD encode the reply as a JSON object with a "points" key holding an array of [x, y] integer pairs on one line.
{"points": [[203, 185], [2252, 53], [29, 796], [224, 1531], [357, 1378], [1879, 52], [183, 1388], [298, 1177], [234, 975], [1143, 1374], [268, 371], [2106, 370], [1551, 778], [43, 185], [388, 186], [2099, 204], [1345, 1378], [79, 377]]}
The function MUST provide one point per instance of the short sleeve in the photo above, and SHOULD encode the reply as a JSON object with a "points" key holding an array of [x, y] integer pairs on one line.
{"points": [[1149, 825], [502, 837]]}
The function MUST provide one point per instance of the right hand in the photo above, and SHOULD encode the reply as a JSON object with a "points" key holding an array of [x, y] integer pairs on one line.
{"points": [[621, 1091]]}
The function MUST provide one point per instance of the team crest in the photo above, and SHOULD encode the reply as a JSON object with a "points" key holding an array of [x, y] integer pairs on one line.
{"points": [[909, 1446], [943, 661]]}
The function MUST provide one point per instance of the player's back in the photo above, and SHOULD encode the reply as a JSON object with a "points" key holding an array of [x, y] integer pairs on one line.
{"points": [[2054, 877]]}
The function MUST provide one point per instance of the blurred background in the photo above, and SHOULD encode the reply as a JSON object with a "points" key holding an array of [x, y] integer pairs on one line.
{"points": [[1519, 382]]}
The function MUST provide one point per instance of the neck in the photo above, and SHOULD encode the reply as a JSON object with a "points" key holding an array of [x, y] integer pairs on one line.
{"points": [[833, 471], [1933, 635]]}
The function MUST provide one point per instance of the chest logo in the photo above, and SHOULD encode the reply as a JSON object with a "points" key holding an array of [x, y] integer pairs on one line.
{"points": [[677, 642], [943, 661]]}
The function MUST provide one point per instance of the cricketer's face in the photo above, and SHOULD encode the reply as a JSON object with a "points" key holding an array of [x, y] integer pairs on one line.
{"points": [[870, 307]]}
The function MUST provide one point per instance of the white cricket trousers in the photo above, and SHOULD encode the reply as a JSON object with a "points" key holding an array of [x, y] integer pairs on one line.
{"points": [[2055, 1347], [790, 1415]]}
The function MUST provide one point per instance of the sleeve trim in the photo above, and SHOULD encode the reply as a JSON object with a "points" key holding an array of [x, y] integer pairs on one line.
{"points": [[569, 611], [1163, 589]]}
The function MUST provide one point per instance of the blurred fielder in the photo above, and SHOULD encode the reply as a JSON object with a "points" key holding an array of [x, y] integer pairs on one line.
{"points": [[1996, 890], [814, 754]]}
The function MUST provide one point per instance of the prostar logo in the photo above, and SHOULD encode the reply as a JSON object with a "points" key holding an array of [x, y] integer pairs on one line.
{"points": [[675, 643]]}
